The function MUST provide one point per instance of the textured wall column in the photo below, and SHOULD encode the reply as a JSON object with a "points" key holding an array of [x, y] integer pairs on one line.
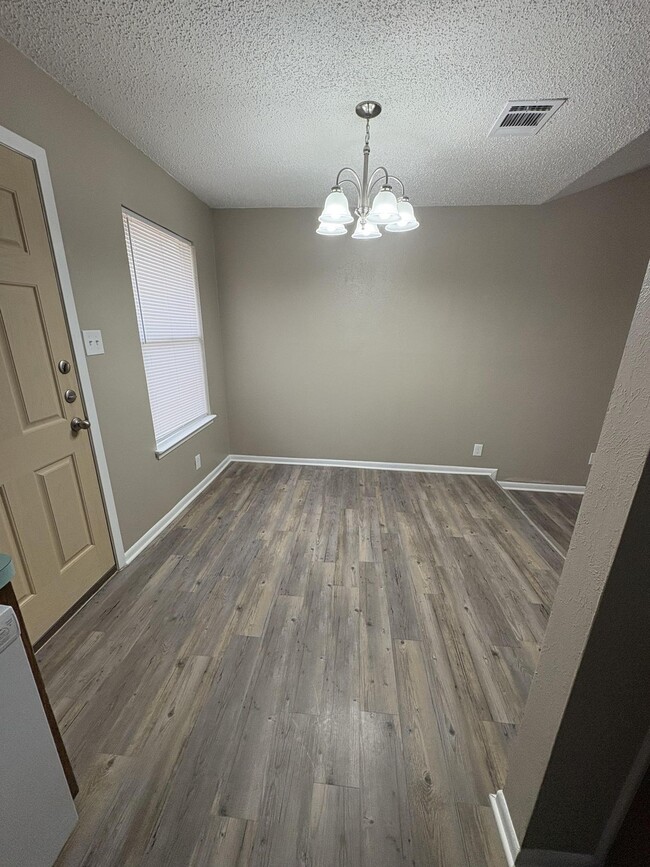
{"points": [[587, 711]]}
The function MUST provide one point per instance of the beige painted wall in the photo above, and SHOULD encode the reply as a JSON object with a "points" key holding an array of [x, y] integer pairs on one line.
{"points": [[94, 172], [587, 713], [496, 325]]}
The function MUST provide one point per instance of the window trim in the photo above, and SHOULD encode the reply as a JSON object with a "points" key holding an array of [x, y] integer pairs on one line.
{"points": [[180, 435], [174, 440]]}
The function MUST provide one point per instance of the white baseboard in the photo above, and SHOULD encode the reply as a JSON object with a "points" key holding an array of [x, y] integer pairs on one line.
{"points": [[505, 827], [539, 486], [177, 510], [551, 858], [368, 465]]}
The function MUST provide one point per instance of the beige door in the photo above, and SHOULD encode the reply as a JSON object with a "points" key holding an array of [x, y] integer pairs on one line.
{"points": [[52, 518]]}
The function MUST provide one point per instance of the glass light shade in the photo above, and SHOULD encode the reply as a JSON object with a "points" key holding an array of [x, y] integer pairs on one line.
{"points": [[384, 208], [331, 229], [365, 231], [406, 221], [337, 209]]}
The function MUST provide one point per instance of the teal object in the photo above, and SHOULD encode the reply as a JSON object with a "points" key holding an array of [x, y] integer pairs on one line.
{"points": [[7, 570]]}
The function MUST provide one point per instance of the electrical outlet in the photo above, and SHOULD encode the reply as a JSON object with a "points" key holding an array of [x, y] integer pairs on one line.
{"points": [[93, 342], [197, 462], [591, 458], [478, 450]]}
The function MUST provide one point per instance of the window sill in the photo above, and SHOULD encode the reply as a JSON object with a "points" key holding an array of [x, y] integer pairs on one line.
{"points": [[164, 447]]}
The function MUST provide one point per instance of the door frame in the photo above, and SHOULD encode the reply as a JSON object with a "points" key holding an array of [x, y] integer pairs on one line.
{"points": [[38, 155]]}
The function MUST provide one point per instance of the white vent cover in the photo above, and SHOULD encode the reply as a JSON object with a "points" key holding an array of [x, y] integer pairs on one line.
{"points": [[524, 117]]}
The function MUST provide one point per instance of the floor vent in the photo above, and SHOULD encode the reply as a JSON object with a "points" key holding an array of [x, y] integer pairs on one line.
{"points": [[525, 118]]}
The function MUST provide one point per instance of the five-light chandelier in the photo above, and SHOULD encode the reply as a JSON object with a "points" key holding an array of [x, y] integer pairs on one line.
{"points": [[386, 209]]}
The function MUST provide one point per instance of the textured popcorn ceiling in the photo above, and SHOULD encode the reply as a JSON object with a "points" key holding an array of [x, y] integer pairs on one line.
{"points": [[250, 103]]}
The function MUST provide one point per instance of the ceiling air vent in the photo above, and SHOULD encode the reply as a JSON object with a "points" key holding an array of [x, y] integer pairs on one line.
{"points": [[521, 117]]}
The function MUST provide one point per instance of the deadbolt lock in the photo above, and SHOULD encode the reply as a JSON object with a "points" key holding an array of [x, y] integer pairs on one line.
{"points": [[64, 366], [70, 395]]}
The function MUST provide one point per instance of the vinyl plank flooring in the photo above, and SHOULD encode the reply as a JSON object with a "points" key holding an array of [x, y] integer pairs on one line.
{"points": [[203, 766], [385, 820], [265, 701], [224, 841], [337, 702], [378, 687], [312, 666], [480, 836], [555, 514], [346, 571], [434, 828], [334, 828], [400, 592], [281, 837], [98, 791]]}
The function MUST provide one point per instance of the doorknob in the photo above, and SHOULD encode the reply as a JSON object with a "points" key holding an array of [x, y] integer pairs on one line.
{"points": [[78, 424]]}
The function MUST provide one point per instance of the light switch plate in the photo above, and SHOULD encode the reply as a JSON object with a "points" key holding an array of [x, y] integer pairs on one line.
{"points": [[478, 450], [93, 342], [197, 462]]}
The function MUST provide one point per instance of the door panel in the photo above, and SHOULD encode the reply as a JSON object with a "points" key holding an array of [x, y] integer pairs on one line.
{"points": [[11, 225], [28, 362], [66, 507], [52, 518]]}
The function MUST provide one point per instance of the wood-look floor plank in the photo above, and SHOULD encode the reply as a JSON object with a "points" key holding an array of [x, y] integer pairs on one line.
{"points": [[281, 836], [182, 691], [203, 766], [334, 828], [261, 587], [480, 836], [555, 514], [295, 566], [435, 831], [386, 825], [312, 666], [327, 539], [378, 687], [131, 817], [346, 571], [457, 716], [265, 702], [98, 792], [310, 680], [337, 703], [402, 607], [496, 740], [369, 530], [224, 841]]}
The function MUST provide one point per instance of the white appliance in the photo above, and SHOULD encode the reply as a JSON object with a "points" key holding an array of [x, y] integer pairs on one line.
{"points": [[37, 812]]}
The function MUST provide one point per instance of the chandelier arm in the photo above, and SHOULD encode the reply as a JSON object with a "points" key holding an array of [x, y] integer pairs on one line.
{"points": [[348, 169], [400, 182], [353, 181], [373, 180], [389, 178]]}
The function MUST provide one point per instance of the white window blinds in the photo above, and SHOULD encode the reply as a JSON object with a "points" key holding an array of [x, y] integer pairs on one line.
{"points": [[169, 321]]}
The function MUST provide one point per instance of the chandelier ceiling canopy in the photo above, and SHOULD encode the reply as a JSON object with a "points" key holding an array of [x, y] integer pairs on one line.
{"points": [[386, 209]]}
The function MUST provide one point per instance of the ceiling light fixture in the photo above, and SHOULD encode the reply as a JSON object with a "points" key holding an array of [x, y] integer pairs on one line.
{"points": [[386, 209]]}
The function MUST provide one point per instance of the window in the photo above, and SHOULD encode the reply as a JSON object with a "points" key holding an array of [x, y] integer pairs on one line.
{"points": [[169, 320]]}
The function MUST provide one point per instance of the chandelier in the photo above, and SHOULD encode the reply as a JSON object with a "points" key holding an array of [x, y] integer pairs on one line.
{"points": [[386, 209]]}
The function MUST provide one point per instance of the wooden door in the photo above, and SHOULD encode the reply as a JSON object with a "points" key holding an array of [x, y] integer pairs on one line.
{"points": [[52, 518]]}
